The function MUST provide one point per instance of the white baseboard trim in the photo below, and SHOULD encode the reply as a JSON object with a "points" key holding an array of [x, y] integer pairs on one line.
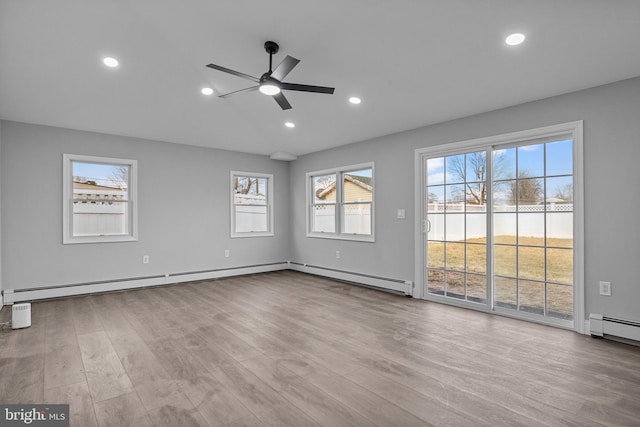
{"points": [[12, 296], [398, 285]]}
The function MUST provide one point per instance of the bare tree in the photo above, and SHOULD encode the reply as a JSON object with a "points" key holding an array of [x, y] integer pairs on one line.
{"points": [[527, 191], [474, 173], [565, 192], [120, 176], [245, 185], [321, 183]]}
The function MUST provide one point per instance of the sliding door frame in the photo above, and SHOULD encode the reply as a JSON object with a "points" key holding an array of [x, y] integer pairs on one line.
{"points": [[575, 129]]}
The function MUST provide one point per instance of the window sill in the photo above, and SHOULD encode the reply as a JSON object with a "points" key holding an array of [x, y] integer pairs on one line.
{"points": [[98, 239], [349, 237], [256, 234]]}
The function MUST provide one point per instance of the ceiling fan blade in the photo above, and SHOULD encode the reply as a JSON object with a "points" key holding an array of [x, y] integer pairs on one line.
{"points": [[282, 101], [235, 73], [284, 67], [249, 89], [307, 88]]}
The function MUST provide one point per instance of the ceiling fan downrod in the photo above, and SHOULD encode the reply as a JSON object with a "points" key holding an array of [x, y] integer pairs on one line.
{"points": [[271, 48]]}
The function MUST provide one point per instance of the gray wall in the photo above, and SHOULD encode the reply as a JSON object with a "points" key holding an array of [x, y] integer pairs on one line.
{"points": [[184, 202], [611, 117], [183, 209], [1, 299]]}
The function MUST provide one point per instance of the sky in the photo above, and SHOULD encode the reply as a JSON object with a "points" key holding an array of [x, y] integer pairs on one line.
{"points": [[102, 174], [527, 159]]}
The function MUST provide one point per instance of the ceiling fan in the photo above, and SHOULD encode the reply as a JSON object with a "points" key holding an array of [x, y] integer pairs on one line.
{"points": [[270, 83]]}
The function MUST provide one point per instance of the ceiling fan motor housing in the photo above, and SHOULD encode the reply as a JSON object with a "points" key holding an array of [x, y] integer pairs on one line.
{"points": [[271, 47]]}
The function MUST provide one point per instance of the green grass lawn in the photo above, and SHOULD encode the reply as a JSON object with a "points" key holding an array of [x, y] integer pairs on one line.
{"points": [[521, 267]]}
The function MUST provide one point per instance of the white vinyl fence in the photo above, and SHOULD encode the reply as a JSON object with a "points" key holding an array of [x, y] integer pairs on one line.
{"points": [[99, 218], [526, 220], [356, 218], [251, 218]]}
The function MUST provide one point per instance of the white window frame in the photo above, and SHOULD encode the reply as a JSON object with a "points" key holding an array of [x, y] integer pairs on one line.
{"points": [[67, 200], [270, 210], [339, 203]]}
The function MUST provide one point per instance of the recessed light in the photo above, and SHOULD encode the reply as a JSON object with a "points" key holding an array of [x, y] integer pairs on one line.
{"points": [[110, 62], [355, 100], [206, 91], [514, 39], [290, 124]]}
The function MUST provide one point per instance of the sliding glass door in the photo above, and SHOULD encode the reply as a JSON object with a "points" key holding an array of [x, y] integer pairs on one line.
{"points": [[498, 225], [457, 226], [533, 228]]}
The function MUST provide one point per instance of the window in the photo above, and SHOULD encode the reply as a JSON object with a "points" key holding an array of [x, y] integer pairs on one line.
{"points": [[341, 203], [98, 199], [251, 204]]}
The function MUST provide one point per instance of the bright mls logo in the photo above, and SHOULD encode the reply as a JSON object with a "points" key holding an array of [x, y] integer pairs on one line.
{"points": [[34, 415]]}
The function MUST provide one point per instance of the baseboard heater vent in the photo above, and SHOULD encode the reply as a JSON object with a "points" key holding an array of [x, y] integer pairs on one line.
{"points": [[403, 287], [601, 325], [12, 296]]}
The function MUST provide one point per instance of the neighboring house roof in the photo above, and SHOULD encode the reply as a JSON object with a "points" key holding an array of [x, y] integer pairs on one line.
{"points": [[93, 186], [361, 181], [557, 200]]}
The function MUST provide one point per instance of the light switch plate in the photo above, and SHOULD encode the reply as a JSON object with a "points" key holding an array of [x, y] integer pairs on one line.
{"points": [[605, 289], [400, 214]]}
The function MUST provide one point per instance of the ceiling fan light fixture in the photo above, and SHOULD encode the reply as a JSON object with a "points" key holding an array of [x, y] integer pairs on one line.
{"points": [[269, 89]]}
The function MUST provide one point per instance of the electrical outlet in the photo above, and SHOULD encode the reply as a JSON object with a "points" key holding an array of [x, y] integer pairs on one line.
{"points": [[145, 259], [227, 253], [605, 288], [337, 254]]}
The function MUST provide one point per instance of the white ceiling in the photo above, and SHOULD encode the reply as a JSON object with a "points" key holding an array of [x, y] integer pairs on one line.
{"points": [[413, 62]]}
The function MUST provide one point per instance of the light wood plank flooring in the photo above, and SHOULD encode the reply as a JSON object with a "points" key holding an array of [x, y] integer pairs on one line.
{"points": [[289, 349]]}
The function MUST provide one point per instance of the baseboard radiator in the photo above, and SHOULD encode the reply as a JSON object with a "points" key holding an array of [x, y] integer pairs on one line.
{"points": [[601, 325], [11, 296], [403, 287]]}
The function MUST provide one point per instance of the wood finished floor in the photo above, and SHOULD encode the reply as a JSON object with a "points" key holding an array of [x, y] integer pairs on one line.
{"points": [[289, 349]]}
